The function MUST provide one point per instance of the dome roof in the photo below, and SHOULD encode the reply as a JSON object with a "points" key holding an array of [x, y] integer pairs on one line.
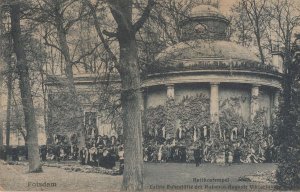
{"points": [[213, 24], [200, 49], [206, 11], [204, 46]]}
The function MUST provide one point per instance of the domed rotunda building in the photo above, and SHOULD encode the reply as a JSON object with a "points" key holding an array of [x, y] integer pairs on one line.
{"points": [[220, 73], [203, 89]]}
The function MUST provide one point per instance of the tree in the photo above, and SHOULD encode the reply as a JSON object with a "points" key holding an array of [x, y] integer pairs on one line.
{"points": [[1, 69], [25, 89], [258, 18], [58, 18], [9, 102], [285, 19], [241, 28], [131, 98], [6, 54], [1, 79]]}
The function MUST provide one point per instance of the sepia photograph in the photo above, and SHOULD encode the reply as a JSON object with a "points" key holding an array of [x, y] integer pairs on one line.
{"points": [[150, 95]]}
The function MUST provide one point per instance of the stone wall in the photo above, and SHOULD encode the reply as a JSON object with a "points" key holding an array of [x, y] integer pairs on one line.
{"points": [[155, 96], [266, 102], [183, 90], [240, 92]]}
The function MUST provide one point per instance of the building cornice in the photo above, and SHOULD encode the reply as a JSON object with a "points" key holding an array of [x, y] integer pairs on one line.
{"points": [[210, 76]]}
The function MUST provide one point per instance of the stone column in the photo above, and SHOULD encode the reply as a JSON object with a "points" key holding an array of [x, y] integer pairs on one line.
{"points": [[170, 91], [170, 124], [275, 105], [214, 102], [276, 98], [254, 101]]}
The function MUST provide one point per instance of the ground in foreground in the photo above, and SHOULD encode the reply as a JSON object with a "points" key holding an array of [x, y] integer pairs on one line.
{"points": [[158, 177]]}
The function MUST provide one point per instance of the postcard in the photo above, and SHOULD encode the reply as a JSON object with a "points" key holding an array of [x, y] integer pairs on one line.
{"points": [[149, 95]]}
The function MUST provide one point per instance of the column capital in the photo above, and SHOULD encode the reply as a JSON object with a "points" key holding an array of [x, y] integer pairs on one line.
{"points": [[143, 89], [254, 90], [278, 91], [170, 85], [214, 83], [170, 91], [256, 85]]}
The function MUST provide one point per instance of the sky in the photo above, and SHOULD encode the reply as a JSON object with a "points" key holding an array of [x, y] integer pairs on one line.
{"points": [[226, 4]]}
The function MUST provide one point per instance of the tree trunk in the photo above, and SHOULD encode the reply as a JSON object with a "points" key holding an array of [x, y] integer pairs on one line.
{"points": [[78, 113], [1, 128], [260, 49], [45, 106], [68, 65], [8, 109], [1, 134], [1, 77], [131, 96], [64, 48], [25, 89], [68, 70], [288, 121], [131, 99]]}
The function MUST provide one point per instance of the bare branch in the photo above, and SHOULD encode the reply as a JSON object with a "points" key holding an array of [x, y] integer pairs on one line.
{"points": [[67, 6], [110, 34], [81, 15], [86, 54], [45, 37], [100, 34], [144, 16]]}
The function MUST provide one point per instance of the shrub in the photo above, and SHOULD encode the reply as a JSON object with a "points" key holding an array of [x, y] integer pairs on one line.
{"points": [[288, 175]]}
